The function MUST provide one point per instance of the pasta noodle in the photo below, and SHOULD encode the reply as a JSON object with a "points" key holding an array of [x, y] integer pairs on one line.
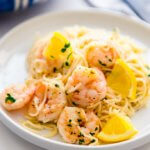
{"points": [[82, 39], [37, 127]]}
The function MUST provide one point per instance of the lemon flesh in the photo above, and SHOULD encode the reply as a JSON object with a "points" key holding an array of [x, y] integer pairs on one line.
{"points": [[58, 47], [118, 128], [123, 80]]}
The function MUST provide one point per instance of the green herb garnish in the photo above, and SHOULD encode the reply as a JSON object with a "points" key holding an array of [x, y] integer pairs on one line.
{"points": [[92, 133], [109, 60], [80, 135], [101, 63], [54, 69], [148, 75], [93, 140], [69, 125], [79, 120], [69, 55], [96, 128], [52, 56], [74, 103], [9, 98], [56, 85], [67, 63], [67, 45], [81, 141]]}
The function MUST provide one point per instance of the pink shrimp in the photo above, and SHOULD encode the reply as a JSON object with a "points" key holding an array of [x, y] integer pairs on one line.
{"points": [[17, 96], [78, 127], [86, 86]]}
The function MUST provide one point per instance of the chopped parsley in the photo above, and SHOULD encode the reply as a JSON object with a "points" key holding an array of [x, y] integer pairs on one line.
{"points": [[63, 50], [52, 56], [69, 55], [92, 133], [67, 63], [80, 135], [69, 125], [148, 75], [70, 120], [56, 85], [96, 128], [101, 63], [109, 60], [9, 98], [93, 140], [79, 120], [81, 141], [67, 45], [54, 69], [74, 103]]}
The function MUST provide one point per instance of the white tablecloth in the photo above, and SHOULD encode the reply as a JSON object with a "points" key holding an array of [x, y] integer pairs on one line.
{"points": [[8, 140]]}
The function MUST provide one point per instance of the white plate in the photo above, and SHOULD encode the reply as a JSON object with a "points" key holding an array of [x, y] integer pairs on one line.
{"points": [[15, 44]]}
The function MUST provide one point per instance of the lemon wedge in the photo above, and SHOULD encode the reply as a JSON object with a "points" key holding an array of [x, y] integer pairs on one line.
{"points": [[118, 128], [58, 47], [123, 80]]}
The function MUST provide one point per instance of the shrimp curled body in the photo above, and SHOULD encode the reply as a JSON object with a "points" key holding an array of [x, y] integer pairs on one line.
{"points": [[101, 56], [48, 102], [21, 95], [78, 127], [86, 87]]}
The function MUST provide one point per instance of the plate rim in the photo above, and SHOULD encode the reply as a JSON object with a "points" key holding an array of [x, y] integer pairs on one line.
{"points": [[24, 132]]}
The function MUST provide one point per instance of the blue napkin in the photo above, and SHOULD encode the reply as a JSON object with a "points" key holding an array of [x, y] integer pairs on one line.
{"points": [[12, 5], [140, 7]]}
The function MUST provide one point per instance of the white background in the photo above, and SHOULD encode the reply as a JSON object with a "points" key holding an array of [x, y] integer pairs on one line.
{"points": [[8, 140]]}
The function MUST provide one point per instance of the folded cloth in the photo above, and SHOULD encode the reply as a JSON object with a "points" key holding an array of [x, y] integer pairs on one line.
{"points": [[141, 8], [138, 8], [117, 5], [11, 5]]}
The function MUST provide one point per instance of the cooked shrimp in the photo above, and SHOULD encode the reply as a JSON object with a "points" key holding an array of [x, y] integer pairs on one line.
{"points": [[86, 87], [17, 96], [101, 56], [46, 57], [38, 100], [49, 101], [37, 64], [78, 127]]}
